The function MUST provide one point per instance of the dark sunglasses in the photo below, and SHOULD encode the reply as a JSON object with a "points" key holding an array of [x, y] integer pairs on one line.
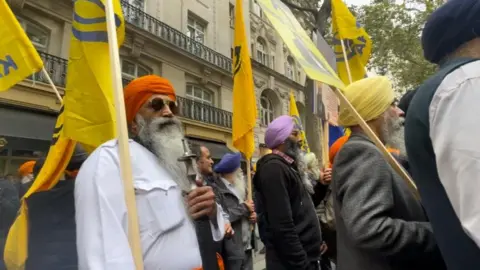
{"points": [[158, 104]]}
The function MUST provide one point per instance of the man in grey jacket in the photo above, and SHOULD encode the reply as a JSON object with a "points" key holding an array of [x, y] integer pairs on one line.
{"points": [[380, 223]]}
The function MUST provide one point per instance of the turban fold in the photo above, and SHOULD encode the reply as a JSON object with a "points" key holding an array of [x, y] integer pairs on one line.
{"points": [[371, 97], [336, 147], [26, 168], [228, 164], [278, 131], [138, 91], [450, 26]]}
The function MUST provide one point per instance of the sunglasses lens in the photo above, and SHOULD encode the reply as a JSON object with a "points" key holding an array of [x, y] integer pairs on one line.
{"points": [[157, 104]]}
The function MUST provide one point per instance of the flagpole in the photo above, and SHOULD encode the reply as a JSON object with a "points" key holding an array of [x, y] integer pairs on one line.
{"points": [[346, 60], [45, 73], [123, 144]]}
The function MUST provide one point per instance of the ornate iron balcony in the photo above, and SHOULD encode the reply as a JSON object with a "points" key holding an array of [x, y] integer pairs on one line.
{"points": [[137, 17], [56, 67]]}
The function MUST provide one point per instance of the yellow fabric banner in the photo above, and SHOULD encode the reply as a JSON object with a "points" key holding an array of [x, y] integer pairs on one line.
{"points": [[58, 157], [89, 105], [299, 43], [358, 45], [244, 101], [18, 57], [298, 122]]}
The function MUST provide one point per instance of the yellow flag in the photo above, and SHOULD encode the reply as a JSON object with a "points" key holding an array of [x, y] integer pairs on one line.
{"points": [[244, 102], [57, 160], [18, 57], [298, 122], [89, 105], [358, 45]]}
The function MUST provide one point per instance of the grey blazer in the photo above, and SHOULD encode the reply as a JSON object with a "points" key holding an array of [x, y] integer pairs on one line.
{"points": [[380, 224]]}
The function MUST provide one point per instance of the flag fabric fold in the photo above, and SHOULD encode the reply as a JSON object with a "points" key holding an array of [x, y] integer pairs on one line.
{"points": [[89, 105], [298, 123], [244, 100], [18, 58], [358, 45]]}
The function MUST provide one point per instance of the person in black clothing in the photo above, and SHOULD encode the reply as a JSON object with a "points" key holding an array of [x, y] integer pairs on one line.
{"points": [[52, 230], [9, 205], [293, 235]]}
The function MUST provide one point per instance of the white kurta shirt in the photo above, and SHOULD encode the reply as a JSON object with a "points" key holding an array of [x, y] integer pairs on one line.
{"points": [[167, 235], [454, 130]]}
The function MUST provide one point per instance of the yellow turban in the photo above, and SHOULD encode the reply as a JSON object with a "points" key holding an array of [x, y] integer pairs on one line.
{"points": [[371, 97]]}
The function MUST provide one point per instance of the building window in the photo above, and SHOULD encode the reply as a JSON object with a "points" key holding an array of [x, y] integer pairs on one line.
{"points": [[232, 15], [37, 35], [262, 56], [199, 94], [197, 109], [266, 110], [257, 10], [140, 4], [290, 68], [196, 29], [131, 71]]}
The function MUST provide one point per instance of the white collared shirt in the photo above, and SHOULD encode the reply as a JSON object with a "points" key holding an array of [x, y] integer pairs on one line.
{"points": [[167, 235], [454, 131]]}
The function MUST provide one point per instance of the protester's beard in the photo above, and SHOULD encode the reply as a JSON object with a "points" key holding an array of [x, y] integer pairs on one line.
{"points": [[163, 137], [293, 150], [240, 184], [396, 138]]}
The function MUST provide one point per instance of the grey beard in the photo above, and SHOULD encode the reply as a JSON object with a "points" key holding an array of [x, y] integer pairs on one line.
{"points": [[240, 185], [396, 137], [163, 137]]}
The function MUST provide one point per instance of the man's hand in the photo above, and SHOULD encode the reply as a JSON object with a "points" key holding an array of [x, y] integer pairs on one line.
{"points": [[250, 205], [326, 176], [323, 248], [201, 202], [253, 218], [228, 230]]}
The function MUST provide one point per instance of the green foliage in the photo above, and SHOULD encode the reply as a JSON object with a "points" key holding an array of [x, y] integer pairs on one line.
{"points": [[395, 30]]}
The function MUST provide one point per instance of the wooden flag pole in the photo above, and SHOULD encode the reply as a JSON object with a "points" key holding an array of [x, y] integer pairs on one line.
{"points": [[345, 58], [123, 145], [45, 73], [326, 159]]}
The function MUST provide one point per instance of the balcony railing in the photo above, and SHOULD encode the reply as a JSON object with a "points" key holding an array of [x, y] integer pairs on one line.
{"points": [[56, 67], [137, 17], [200, 112]]}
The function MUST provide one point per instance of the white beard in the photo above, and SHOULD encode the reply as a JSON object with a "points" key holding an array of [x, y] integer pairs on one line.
{"points": [[163, 136], [396, 135], [240, 185], [302, 169]]}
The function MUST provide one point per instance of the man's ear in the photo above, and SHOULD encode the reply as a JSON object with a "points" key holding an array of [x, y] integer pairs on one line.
{"points": [[133, 128]]}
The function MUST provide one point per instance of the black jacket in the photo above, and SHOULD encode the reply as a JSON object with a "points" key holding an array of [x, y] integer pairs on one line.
{"points": [[293, 235]]}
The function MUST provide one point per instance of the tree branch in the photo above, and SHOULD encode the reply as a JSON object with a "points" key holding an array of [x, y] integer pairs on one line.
{"points": [[297, 7]]}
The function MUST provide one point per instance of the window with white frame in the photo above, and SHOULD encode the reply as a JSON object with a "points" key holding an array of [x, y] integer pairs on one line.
{"points": [[290, 68], [200, 96], [38, 35], [266, 110], [196, 29], [138, 4], [262, 55], [257, 10], [131, 70], [232, 15]]}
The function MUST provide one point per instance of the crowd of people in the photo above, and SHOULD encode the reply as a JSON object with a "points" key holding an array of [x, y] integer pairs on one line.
{"points": [[357, 213]]}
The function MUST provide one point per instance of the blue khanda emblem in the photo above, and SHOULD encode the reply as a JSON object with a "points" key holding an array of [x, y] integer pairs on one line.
{"points": [[8, 64], [90, 26], [352, 47]]}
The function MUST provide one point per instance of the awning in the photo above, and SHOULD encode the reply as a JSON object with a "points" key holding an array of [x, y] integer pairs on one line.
{"points": [[217, 149], [26, 124]]}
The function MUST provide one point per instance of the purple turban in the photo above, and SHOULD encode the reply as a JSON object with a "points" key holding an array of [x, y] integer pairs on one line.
{"points": [[228, 164], [278, 131]]}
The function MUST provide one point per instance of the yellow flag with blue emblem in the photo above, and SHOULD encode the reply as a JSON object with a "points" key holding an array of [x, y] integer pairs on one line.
{"points": [[298, 123], [89, 104], [358, 45], [59, 154], [244, 101], [18, 57]]}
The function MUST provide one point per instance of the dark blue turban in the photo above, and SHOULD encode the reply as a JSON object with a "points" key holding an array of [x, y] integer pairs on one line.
{"points": [[229, 163], [450, 26]]}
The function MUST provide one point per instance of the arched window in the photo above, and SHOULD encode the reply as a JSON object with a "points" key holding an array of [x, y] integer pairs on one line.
{"points": [[290, 68], [37, 34], [262, 55], [132, 71], [266, 109]]}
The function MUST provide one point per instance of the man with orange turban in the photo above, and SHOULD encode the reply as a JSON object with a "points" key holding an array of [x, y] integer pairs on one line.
{"points": [[167, 206]]}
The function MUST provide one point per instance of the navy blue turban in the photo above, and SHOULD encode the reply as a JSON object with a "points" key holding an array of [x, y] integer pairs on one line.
{"points": [[450, 26], [229, 163]]}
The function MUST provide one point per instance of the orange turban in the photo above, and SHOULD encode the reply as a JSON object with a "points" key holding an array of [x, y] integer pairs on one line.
{"points": [[26, 168], [336, 147], [138, 91]]}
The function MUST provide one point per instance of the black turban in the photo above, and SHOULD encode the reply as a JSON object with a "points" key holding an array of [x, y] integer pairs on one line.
{"points": [[447, 28]]}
